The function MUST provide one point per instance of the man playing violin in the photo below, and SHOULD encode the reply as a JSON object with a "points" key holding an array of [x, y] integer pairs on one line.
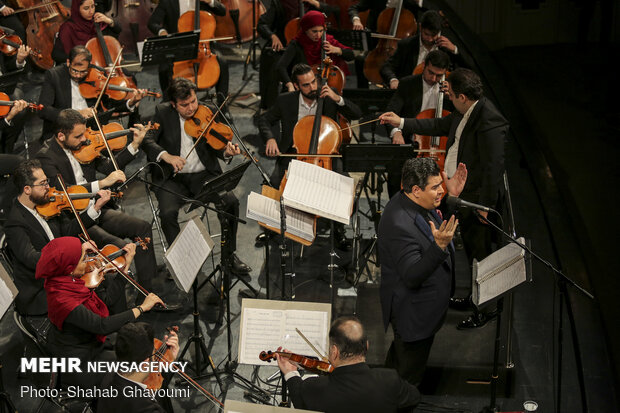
{"points": [[186, 169], [134, 344], [353, 386], [61, 90]]}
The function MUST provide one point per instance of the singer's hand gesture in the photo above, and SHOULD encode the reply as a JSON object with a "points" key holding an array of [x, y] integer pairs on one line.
{"points": [[444, 234]]}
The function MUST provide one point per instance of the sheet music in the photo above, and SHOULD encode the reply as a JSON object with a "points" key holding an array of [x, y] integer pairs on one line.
{"points": [[8, 291], [267, 210], [266, 329], [188, 252], [319, 191], [499, 272]]}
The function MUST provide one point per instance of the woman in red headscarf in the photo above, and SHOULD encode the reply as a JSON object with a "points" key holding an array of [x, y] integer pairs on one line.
{"points": [[80, 28], [306, 48], [80, 319]]}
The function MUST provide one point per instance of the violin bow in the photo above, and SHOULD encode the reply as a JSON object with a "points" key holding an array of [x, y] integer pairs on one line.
{"points": [[109, 75], [105, 141], [318, 353], [63, 187], [219, 109]]}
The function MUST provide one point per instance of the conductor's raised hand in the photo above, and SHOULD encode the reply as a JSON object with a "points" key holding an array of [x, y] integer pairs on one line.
{"points": [[390, 118], [443, 235]]}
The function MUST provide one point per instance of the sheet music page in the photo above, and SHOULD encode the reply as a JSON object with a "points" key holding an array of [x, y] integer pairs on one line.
{"points": [[319, 191], [312, 324], [188, 252], [267, 210], [499, 272]]}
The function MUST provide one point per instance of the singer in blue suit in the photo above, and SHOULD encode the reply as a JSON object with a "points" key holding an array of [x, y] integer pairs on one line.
{"points": [[417, 264]]}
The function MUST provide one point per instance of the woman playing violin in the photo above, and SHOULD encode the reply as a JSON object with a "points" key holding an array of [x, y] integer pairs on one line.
{"points": [[307, 47], [80, 319]]}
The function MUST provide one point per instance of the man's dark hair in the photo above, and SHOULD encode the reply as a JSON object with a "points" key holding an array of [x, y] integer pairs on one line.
{"points": [[181, 89], [66, 121], [299, 69], [431, 20], [24, 175], [348, 341], [438, 58], [134, 342], [465, 82], [80, 51], [416, 172]]}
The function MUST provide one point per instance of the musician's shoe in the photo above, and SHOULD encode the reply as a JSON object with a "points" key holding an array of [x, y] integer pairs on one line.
{"points": [[476, 320], [460, 303], [238, 266]]}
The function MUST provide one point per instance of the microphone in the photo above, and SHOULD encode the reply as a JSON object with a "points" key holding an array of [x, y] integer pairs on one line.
{"points": [[133, 176], [454, 202]]}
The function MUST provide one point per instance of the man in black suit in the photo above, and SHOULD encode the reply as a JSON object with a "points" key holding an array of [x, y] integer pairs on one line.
{"points": [[476, 131], [353, 386], [27, 233], [60, 90], [57, 158], [412, 51], [134, 344], [186, 170], [416, 94], [417, 264]]}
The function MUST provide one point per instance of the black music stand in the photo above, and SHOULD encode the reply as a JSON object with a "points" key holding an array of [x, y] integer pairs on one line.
{"points": [[173, 47], [356, 39]]}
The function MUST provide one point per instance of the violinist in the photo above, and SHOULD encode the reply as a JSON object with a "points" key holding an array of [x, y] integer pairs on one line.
{"points": [[170, 146], [164, 20], [80, 28], [412, 51], [27, 232], [61, 90], [57, 157], [80, 320], [134, 344], [416, 94], [353, 386], [13, 123], [10, 20], [306, 48]]}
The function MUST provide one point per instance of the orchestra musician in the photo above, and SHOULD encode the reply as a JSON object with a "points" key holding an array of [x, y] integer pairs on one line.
{"points": [[476, 131], [412, 51], [374, 8], [353, 386], [60, 90], [80, 319], [57, 158], [134, 344], [10, 20], [416, 94], [417, 264], [306, 48], [185, 174], [12, 124]]}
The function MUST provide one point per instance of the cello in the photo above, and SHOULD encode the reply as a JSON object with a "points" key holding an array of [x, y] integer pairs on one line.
{"points": [[433, 146], [133, 16], [102, 48]]}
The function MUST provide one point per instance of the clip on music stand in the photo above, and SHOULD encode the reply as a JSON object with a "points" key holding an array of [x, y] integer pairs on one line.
{"points": [[173, 47]]}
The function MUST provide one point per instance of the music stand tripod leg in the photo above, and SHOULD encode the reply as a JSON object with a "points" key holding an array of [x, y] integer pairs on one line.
{"points": [[6, 404]]}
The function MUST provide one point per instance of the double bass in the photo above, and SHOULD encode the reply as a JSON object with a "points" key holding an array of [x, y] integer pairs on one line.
{"points": [[433, 146], [242, 22], [132, 16]]}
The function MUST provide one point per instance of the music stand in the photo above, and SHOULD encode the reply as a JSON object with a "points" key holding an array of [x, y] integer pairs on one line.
{"points": [[173, 47], [355, 39], [8, 290]]}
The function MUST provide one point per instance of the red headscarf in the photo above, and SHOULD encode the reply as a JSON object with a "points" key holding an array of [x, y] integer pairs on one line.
{"points": [[312, 49], [77, 30], [58, 259]]}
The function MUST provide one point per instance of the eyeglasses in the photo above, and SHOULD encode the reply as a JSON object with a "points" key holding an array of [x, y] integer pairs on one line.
{"points": [[45, 183], [78, 72]]}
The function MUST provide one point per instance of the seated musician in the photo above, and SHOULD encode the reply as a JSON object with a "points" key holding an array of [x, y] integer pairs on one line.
{"points": [[134, 343], [306, 48], [353, 386], [10, 20], [289, 109], [80, 319], [171, 146], [270, 26], [60, 90], [8, 161], [28, 232], [13, 123], [374, 8], [57, 157], [164, 20], [412, 51], [416, 94], [80, 28]]}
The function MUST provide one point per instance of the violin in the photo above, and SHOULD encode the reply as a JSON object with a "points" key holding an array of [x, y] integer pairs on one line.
{"points": [[117, 89], [6, 105], [102, 49], [202, 123], [310, 363], [115, 136], [58, 201], [97, 268], [9, 43]]}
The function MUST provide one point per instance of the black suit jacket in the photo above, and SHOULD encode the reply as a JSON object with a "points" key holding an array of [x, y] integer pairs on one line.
{"points": [[355, 388], [273, 21], [168, 138], [25, 239], [55, 161], [122, 402], [376, 7], [416, 275], [286, 110], [166, 15], [481, 148], [407, 101]]}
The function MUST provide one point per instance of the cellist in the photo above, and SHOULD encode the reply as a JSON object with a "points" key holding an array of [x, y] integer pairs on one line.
{"points": [[289, 108]]}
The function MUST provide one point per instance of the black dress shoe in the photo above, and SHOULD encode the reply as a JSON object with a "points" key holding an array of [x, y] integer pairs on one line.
{"points": [[460, 303], [239, 267], [476, 320]]}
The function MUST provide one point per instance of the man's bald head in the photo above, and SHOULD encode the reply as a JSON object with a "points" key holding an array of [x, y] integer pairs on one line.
{"points": [[348, 335]]}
